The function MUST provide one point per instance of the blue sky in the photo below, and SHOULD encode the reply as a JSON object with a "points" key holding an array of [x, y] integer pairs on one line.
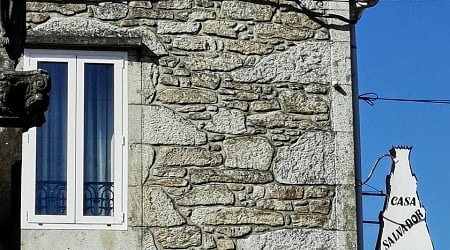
{"points": [[404, 52]]}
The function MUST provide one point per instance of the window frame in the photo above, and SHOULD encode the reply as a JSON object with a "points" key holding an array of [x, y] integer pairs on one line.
{"points": [[74, 218]]}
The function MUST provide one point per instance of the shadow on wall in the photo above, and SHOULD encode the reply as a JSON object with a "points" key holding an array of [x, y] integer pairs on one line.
{"points": [[10, 172]]}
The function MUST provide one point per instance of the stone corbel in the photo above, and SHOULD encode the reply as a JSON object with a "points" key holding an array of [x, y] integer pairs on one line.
{"points": [[23, 98]]}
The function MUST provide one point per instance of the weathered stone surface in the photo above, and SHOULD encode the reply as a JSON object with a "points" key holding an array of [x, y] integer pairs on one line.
{"points": [[225, 244], [141, 4], [196, 15], [172, 27], [298, 20], [248, 47], [167, 182], [147, 240], [178, 237], [227, 121], [274, 119], [140, 159], [318, 191], [236, 86], [205, 80], [317, 88], [186, 96], [168, 80], [208, 241], [188, 156], [200, 116], [207, 195], [309, 220], [173, 4], [248, 153], [82, 239], [137, 13], [76, 26], [306, 62], [214, 62], [111, 11], [276, 191], [290, 239], [235, 216], [65, 9], [265, 105], [271, 81], [309, 161], [169, 172], [206, 175], [88, 27], [299, 102], [163, 126], [273, 30], [277, 205], [241, 105], [33, 17], [233, 232], [191, 108], [247, 96], [221, 28], [322, 206], [240, 10], [159, 210], [190, 43]]}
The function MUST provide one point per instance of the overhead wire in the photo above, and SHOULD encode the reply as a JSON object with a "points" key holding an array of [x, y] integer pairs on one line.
{"points": [[373, 169], [371, 97]]}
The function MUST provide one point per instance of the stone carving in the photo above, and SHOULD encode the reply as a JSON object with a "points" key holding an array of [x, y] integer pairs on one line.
{"points": [[23, 94], [12, 26], [23, 98]]}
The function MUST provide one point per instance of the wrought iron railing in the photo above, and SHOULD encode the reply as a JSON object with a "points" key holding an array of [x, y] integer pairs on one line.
{"points": [[98, 199], [51, 198]]}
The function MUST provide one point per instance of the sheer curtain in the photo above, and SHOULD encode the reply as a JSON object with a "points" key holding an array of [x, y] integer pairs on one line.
{"points": [[98, 136], [51, 157], [51, 172]]}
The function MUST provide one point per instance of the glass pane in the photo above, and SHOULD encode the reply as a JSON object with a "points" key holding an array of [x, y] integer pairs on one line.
{"points": [[98, 136], [51, 157]]}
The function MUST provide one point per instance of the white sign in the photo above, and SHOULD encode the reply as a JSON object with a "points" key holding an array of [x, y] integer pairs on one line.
{"points": [[402, 222]]}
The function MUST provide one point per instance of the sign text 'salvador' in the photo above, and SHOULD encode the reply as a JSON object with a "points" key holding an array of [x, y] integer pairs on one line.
{"points": [[403, 229], [403, 219]]}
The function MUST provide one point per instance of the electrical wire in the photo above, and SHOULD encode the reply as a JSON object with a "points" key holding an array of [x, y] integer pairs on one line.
{"points": [[370, 99], [379, 191], [373, 169]]}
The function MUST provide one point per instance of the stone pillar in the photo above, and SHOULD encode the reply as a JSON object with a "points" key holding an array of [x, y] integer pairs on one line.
{"points": [[10, 156], [23, 101]]}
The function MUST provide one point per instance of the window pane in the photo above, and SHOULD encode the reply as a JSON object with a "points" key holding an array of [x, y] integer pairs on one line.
{"points": [[98, 136], [51, 157]]}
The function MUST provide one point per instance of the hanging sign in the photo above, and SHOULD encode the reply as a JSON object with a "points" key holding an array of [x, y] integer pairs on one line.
{"points": [[402, 221]]}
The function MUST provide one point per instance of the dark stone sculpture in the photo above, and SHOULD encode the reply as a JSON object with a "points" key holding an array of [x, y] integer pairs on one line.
{"points": [[23, 98], [23, 101], [23, 94], [12, 28]]}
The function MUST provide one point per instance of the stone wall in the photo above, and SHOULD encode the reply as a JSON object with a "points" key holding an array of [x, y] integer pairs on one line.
{"points": [[237, 137]]}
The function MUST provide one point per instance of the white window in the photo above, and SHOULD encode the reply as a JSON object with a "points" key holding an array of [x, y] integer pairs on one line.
{"points": [[74, 166]]}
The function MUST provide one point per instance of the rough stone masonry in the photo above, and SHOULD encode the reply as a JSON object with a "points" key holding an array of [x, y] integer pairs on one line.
{"points": [[237, 139]]}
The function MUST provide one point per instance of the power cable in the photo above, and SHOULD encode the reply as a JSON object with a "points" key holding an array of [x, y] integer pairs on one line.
{"points": [[373, 169], [377, 190], [370, 99]]}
